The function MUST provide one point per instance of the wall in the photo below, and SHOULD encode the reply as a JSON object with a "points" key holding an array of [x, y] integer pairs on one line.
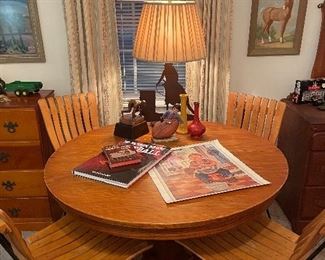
{"points": [[54, 73], [271, 76]]}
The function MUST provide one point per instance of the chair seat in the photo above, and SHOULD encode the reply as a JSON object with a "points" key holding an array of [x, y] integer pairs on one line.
{"points": [[68, 238], [260, 239]]}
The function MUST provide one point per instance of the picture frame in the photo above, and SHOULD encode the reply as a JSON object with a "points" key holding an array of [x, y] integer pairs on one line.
{"points": [[20, 32], [268, 18]]}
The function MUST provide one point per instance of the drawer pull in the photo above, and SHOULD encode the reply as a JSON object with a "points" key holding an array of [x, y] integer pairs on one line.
{"points": [[11, 127], [14, 212], [4, 157], [8, 185]]}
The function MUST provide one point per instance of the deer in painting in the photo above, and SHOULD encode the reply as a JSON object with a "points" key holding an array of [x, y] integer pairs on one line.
{"points": [[272, 14]]}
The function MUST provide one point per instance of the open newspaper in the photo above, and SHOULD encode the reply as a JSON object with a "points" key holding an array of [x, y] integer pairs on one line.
{"points": [[200, 170]]}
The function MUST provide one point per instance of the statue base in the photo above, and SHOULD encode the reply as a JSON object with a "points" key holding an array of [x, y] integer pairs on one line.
{"points": [[173, 138], [131, 131]]}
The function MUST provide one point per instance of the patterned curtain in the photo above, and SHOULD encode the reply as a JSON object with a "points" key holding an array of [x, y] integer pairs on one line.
{"points": [[94, 53], [207, 81]]}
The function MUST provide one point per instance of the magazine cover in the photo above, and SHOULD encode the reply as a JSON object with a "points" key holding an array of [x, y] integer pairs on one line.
{"points": [[200, 170], [155, 150], [97, 168]]}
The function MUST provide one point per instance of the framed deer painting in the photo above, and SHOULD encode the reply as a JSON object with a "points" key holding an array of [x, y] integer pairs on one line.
{"points": [[276, 27]]}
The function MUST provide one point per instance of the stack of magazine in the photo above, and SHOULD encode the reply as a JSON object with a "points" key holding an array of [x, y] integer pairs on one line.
{"points": [[122, 164]]}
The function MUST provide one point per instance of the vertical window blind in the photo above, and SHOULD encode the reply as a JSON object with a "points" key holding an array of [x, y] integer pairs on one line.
{"points": [[137, 75]]}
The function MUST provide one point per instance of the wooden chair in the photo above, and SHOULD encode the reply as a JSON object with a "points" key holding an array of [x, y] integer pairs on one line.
{"points": [[260, 239], [67, 117], [261, 116], [67, 239]]}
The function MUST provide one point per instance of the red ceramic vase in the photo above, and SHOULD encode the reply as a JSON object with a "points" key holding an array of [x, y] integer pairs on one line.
{"points": [[196, 129]]}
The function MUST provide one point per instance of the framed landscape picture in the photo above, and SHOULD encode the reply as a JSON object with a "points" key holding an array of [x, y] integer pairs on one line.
{"points": [[20, 33], [276, 27]]}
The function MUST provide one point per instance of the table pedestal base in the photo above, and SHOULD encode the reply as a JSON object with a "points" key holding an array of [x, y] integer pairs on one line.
{"points": [[168, 250]]}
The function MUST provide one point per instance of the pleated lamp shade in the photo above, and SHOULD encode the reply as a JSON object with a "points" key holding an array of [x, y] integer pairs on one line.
{"points": [[169, 31]]}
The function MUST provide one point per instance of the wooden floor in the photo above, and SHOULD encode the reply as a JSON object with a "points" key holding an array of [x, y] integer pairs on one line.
{"points": [[275, 211]]}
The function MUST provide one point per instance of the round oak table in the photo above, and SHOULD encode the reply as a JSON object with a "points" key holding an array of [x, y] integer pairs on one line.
{"points": [[140, 211]]}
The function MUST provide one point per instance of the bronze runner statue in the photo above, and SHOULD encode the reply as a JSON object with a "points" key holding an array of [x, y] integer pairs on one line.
{"points": [[172, 87]]}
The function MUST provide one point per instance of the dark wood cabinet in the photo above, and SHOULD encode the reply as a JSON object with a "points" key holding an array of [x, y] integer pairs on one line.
{"points": [[24, 150], [302, 140]]}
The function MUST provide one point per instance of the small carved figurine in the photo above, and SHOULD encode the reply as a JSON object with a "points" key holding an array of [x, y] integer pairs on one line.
{"points": [[132, 124], [165, 128], [134, 113]]}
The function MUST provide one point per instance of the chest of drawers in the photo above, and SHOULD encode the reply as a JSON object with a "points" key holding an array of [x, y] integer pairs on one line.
{"points": [[24, 150], [302, 140]]}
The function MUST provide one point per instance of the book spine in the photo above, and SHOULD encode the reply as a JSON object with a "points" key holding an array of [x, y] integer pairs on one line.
{"points": [[125, 163]]}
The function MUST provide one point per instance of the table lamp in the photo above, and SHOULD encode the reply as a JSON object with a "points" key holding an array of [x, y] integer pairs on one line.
{"points": [[170, 31]]}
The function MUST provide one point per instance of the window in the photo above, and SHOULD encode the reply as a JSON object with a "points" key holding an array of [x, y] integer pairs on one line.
{"points": [[137, 75]]}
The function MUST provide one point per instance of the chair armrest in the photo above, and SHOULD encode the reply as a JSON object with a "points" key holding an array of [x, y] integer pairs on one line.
{"points": [[4, 227]]}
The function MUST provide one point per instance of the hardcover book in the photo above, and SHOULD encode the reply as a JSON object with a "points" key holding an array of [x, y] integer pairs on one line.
{"points": [[97, 168], [121, 155], [200, 170]]}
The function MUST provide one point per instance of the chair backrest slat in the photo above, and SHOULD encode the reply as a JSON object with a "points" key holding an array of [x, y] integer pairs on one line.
{"points": [[279, 112], [66, 118], [269, 118], [56, 120], [63, 118], [85, 112], [255, 113], [93, 110], [70, 114], [248, 111], [46, 113], [77, 114], [261, 117], [258, 115], [232, 99], [240, 110]]}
